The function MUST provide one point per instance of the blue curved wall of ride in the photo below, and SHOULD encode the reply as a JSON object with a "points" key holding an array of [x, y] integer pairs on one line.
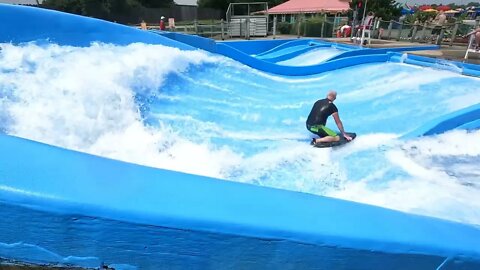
{"points": [[260, 54], [87, 210], [467, 118], [242, 56], [64, 207]]}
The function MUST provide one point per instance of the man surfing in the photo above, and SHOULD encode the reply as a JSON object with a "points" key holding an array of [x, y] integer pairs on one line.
{"points": [[317, 119]]}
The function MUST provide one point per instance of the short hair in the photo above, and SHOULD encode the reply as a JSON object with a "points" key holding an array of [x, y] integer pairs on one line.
{"points": [[332, 93]]}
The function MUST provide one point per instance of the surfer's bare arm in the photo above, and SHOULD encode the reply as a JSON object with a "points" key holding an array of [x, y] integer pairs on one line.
{"points": [[340, 126]]}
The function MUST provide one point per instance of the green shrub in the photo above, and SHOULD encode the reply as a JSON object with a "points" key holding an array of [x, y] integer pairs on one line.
{"points": [[284, 28], [314, 27]]}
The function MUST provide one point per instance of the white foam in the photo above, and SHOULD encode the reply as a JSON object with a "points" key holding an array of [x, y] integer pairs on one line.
{"points": [[374, 86], [312, 57], [83, 99], [426, 187]]}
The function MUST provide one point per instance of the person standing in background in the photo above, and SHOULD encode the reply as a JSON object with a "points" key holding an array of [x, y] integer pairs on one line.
{"points": [[438, 24], [162, 23]]}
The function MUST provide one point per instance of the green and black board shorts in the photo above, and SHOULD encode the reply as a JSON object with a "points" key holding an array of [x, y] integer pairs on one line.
{"points": [[321, 130]]}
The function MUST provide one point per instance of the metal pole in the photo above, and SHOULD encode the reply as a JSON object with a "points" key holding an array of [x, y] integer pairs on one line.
{"points": [[323, 26], [304, 25], [354, 22], [298, 25], [440, 36], [389, 30], [334, 32], [423, 32], [454, 33], [414, 32], [400, 29], [274, 26], [364, 11], [222, 25]]}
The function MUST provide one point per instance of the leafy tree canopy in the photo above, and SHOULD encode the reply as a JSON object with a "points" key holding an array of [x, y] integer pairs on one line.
{"points": [[223, 4], [102, 8], [386, 9]]}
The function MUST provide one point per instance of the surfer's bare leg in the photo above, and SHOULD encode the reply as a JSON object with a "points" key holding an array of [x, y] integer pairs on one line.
{"points": [[327, 139]]}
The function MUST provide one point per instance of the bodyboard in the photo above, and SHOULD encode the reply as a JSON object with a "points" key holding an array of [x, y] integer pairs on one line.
{"points": [[342, 141]]}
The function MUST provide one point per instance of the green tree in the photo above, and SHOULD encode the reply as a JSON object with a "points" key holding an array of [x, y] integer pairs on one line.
{"points": [[73, 6], [156, 3], [223, 4], [103, 9], [216, 4], [453, 6], [386, 9]]}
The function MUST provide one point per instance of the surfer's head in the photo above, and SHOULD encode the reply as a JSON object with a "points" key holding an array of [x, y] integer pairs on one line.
{"points": [[332, 95]]}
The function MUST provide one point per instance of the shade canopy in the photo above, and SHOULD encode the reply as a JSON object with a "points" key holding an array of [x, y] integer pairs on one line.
{"points": [[425, 7], [310, 6], [444, 8]]}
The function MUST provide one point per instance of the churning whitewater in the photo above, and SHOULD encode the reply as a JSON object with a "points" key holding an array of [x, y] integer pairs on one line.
{"points": [[199, 113]]}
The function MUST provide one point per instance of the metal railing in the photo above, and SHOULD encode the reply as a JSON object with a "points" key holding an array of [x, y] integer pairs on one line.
{"points": [[424, 32], [385, 30], [215, 29]]}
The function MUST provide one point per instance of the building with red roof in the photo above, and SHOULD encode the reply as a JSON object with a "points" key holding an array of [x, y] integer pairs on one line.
{"points": [[311, 6]]}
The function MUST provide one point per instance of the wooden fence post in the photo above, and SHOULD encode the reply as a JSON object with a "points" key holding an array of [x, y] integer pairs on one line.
{"points": [[440, 36], [423, 31], [400, 28], [414, 32], [454, 33], [389, 31]]}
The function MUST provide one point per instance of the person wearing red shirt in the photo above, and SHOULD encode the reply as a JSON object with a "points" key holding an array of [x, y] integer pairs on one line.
{"points": [[162, 23]]}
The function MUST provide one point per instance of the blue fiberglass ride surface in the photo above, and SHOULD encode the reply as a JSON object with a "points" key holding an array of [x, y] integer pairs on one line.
{"points": [[292, 57], [191, 111], [133, 216]]}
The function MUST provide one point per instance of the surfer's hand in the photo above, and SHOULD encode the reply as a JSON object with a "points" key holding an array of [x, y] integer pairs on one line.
{"points": [[348, 138]]}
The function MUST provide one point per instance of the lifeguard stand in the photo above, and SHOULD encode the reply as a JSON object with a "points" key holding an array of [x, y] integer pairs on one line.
{"points": [[364, 33], [365, 36], [471, 46]]}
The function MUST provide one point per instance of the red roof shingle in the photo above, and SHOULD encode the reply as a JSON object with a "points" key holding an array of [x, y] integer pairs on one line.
{"points": [[310, 6]]}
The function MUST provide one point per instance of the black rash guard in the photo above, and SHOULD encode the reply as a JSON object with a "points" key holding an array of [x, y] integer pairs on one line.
{"points": [[321, 110]]}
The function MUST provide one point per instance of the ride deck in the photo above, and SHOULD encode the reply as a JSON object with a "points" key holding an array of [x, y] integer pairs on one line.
{"points": [[342, 141]]}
